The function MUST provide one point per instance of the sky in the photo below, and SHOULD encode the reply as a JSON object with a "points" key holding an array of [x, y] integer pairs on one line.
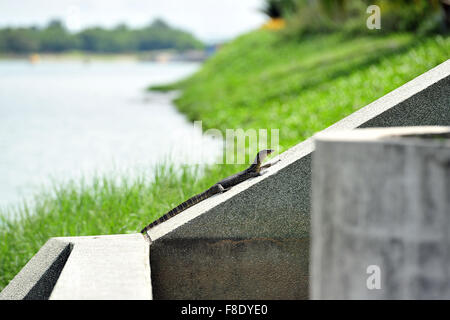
{"points": [[209, 20]]}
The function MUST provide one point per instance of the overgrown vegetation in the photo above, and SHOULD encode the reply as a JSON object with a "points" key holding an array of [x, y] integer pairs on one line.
{"points": [[322, 16], [56, 38]]}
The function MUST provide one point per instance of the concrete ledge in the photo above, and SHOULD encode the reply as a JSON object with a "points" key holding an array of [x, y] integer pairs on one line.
{"points": [[38, 277], [94, 267], [275, 206], [381, 199], [106, 267]]}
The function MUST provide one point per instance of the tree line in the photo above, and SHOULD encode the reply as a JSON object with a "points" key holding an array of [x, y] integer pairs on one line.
{"points": [[55, 38]]}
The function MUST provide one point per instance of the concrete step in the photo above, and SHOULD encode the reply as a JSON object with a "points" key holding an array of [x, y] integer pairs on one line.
{"points": [[94, 267]]}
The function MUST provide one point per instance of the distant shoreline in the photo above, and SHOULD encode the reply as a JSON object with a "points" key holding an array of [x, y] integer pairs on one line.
{"points": [[162, 56], [70, 56]]}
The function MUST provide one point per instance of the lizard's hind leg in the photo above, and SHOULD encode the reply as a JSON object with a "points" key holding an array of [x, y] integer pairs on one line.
{"points": [[222, 189]]}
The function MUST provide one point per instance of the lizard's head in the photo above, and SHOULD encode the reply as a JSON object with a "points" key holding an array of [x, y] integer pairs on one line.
{"points": [[262, 155]]}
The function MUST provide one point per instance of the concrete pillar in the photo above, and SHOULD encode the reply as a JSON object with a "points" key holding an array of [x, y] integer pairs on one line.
{"points": [[381, 214]]}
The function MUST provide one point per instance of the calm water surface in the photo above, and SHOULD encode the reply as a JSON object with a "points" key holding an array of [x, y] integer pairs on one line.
{"points": [[63, 120]]}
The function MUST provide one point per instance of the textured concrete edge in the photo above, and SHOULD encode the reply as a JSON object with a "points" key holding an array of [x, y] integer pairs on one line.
{"points": [[363, 116], [38, 277], [376, 134]]}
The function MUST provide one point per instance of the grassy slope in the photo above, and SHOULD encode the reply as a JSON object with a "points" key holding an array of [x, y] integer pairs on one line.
{"points": [[301, 87], [258, 81]]}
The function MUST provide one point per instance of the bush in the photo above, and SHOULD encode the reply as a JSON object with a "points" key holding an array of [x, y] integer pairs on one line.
{"points": [[420, 16]]}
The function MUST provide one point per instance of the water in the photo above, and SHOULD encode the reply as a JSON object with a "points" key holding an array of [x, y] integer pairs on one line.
{"points": [[63, 120]]}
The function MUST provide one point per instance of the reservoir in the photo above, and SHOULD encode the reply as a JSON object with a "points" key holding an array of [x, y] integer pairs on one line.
{"points": [[62, 120]]}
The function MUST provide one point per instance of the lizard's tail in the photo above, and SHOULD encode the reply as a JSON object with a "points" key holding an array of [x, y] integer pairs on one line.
{"points": [[187, 204]]}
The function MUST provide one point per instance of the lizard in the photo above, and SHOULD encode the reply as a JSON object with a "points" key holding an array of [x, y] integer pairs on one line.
{"points": [[223, 185]]}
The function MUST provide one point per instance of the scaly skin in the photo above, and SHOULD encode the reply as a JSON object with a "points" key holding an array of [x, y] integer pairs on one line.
{"points": [[223, 185]]}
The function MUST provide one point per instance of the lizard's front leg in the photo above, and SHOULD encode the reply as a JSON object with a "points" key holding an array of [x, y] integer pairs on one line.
{"points": [[268, 165]]}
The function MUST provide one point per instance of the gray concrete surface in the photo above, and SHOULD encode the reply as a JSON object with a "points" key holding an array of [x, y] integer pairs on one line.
{"points": [[260, 268], [381, 197], [112, 267], [275, 206], [38, 277]]}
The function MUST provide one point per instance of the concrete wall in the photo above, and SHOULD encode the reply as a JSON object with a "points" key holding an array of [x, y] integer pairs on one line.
{"points": [[381, 198], [262, 217], [230, 269]]}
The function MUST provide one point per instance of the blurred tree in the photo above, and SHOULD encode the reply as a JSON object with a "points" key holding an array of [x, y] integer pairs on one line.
{"points": [[159, 23], [56, 38], [20, 40]]}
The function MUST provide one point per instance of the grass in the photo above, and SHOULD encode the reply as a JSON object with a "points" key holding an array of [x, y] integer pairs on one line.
{"points": [[104, 205], [260, 80], [300, 87]]}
